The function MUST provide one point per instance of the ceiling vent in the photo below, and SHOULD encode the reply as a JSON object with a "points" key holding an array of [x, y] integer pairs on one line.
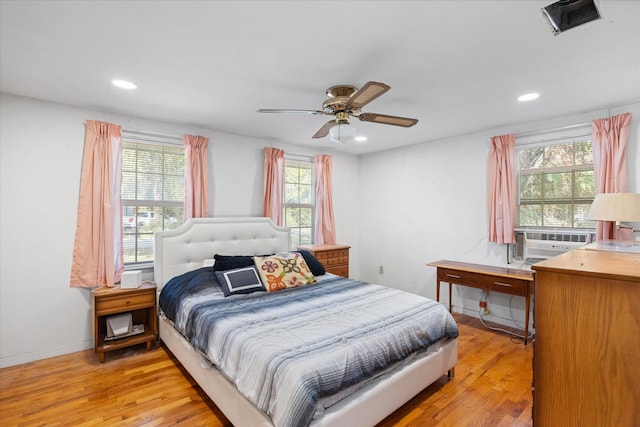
{"points": [[566, 14]]}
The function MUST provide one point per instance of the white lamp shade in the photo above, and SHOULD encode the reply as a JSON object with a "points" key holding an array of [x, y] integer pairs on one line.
{"points": [[615, 207], [342, 133]]}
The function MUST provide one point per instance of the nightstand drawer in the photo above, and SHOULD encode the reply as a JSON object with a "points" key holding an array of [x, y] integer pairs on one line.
{"points": [[119, 302]]}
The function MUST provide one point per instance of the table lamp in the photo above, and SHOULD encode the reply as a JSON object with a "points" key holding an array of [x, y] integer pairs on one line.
{"points": [[618, 208]]}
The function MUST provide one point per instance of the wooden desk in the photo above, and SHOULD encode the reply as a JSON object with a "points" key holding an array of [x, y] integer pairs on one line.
{"points": [[495, 279]]}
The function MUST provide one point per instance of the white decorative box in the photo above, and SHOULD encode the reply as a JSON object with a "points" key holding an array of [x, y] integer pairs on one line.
{"points": [[131, 279]]}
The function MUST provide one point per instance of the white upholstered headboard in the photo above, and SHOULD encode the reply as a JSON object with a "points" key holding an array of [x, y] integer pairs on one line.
{"points": [[184, 249]]}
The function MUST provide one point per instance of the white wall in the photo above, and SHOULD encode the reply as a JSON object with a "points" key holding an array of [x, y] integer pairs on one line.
{"points": [[429, 202], [41, 147], [398, 209]]}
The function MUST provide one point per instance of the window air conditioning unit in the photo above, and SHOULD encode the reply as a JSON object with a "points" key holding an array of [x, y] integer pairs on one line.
{"points": [[536, 245]]}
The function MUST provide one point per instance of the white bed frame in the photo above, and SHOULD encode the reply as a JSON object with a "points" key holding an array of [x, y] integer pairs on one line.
{"points": [[185, 249]]}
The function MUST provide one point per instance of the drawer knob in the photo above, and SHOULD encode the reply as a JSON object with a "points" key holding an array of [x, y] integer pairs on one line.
{"points": [[453, 276]]}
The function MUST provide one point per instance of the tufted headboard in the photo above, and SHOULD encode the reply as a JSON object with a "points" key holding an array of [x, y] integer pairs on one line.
{"points": [[184, 249]]}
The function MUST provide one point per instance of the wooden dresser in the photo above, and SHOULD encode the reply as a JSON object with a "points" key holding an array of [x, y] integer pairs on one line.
{"points": [[334, 258], [586, 367]]}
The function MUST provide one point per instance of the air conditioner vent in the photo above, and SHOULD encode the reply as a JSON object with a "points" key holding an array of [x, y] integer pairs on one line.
{"points": [[558, 237], [533, 246]]}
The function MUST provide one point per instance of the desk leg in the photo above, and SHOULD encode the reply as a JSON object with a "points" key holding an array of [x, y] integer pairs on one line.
{"points": [[526, 317], [438, 294]]}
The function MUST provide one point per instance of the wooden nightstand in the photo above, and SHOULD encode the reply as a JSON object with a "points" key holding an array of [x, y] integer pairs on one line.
{"points": [[334, 258], [140, 302]]}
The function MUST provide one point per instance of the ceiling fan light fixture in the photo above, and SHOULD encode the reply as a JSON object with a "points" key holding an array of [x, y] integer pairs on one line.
{"points": [[342, 133], [345, 102]]}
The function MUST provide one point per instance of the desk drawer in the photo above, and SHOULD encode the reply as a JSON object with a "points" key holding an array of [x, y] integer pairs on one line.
{"points": [[505, 285]]}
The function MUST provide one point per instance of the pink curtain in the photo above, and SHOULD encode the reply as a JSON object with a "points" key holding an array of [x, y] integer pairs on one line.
{"points": [[610, 166], [502, 189], [325, 224], [97, 251], [196, 176], [273, 184]]}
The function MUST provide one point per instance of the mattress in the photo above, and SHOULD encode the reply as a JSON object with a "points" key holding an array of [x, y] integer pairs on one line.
{"points": [[296, 352]]}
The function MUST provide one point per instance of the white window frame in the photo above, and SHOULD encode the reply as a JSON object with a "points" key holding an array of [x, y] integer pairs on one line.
{"points": [[158, 140], [566, 135], [293, 159]]}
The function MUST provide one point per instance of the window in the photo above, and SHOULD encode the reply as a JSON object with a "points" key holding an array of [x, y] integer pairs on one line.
{"points": [[298, 200], [555, 182], [152, 193]]}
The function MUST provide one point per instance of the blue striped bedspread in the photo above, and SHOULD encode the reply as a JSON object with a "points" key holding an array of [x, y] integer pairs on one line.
{"points": [[291, 351]]}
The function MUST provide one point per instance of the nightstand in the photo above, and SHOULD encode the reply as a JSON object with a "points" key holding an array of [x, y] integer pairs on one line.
{"points": [[140, 302], [334, 258]]}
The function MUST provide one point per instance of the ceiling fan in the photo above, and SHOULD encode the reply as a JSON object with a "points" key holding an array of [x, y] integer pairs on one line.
{"points": [[344, 102]]}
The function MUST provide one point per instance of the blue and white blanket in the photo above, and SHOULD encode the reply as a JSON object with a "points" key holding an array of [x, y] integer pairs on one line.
{"points": [[291, 351]]}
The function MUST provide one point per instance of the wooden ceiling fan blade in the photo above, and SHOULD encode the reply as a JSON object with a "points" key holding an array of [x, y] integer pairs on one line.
{"points": [[366, 94], [286, 111], [324, 130], [387, 120]]}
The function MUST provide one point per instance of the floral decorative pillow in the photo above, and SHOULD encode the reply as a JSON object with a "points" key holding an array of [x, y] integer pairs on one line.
{"points": [[285, 270]]}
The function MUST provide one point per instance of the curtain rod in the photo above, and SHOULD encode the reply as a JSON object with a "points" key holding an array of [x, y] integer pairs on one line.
{"points": [[522, 135], [158, 134], [155, 136], [288, 153], [542, 132]]}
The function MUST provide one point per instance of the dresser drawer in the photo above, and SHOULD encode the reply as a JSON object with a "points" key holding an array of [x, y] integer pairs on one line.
{"points": [[506, 285], [338, 253], [322, 256], [329, 258], [125, 302], [341, 270]]}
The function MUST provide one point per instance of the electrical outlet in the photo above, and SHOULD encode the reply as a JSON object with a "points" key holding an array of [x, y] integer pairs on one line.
{"points": [[381, 270]]}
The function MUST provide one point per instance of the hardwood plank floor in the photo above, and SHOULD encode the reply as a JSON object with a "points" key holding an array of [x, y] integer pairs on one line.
{"points": [[492, 387]]}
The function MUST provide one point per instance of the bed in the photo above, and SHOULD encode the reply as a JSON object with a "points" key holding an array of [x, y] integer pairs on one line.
{"points": [[186, 252]]}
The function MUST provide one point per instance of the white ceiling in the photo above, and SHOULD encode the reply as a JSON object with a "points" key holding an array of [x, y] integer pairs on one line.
{"points": [[457, 66]]}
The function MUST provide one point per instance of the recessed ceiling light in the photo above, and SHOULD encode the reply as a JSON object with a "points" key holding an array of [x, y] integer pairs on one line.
{"points": [[124, 84], [361, 138], [528, 97]]}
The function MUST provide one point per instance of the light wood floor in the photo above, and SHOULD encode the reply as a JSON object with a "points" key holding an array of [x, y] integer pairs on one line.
{"points": [[134, 387]]}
